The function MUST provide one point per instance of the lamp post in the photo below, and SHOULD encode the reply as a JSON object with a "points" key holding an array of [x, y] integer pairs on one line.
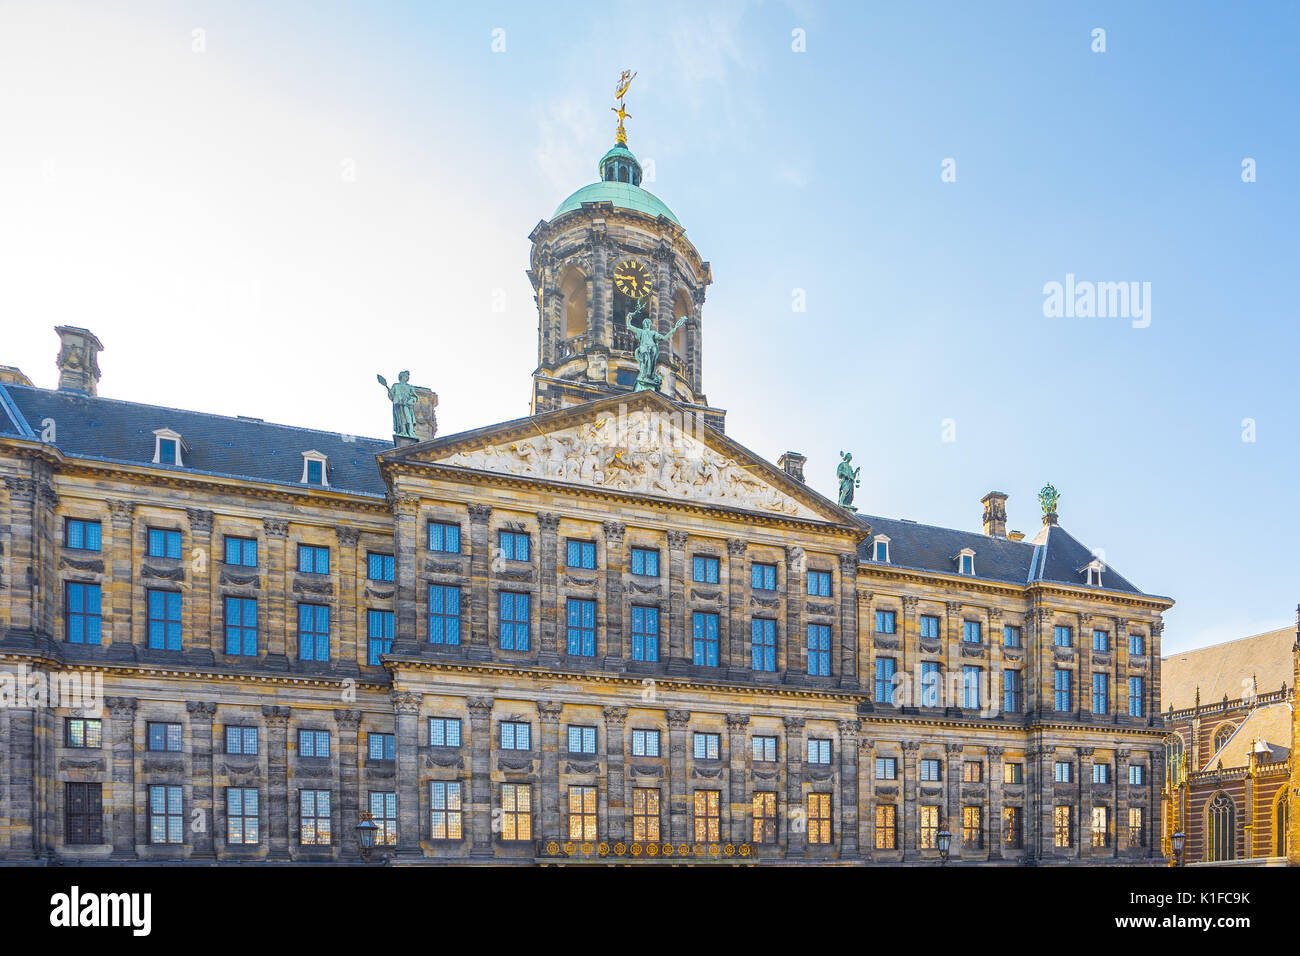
{"points": [[366, 828], [1179, 839], [944, 839]]}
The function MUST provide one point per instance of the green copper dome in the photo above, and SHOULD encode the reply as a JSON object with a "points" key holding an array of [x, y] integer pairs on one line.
{"points": [[620, 184]]}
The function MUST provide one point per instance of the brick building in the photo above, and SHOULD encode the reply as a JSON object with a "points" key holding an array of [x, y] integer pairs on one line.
{"points": [[607, 631]]}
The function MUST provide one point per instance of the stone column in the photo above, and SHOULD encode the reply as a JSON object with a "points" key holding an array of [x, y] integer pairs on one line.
{"points": [[951, 692], [677, 797], [741, 806], [349, 725], [677, 655], [18, 537], [867, 800], [952, 786], [277, 780], [549, 714], [407, 548], [121, 795], [796, 838], [274, 623], [480, 646], [847, 814], [848, 636], [1151, 688], [348, 628], [203, 633], [121, 568], [615, 779], [406, 707], [995, 802], [1120, 801], [732, 659], [791, 651], [1085, 799], [480, 779], [911, 644], [550, 636], [1038, 665], [201, 716], [616, 653]]}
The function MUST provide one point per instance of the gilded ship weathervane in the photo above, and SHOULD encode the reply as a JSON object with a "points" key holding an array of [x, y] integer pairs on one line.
{"points": [[624, 81]]}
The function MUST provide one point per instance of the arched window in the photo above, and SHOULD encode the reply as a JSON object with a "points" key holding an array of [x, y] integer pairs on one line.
{"points": [[573, 302], [1222, 736], [681, 307], [1279, 825], [1174, 760], [1220, 831]]}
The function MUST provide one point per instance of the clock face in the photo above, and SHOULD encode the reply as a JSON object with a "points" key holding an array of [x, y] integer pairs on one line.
{"points": [[632, 279]]}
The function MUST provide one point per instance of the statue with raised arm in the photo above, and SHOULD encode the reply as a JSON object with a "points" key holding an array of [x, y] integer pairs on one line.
{"points": [[848, 476], [647, 348], [403, 395]]}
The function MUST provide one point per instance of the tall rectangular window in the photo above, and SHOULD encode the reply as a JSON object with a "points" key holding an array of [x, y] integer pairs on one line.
{"points": [[579, 554], [582, 740], [383, 810], [379, 635], [929, 828], [516, 811], [884, 680], [313, 559], [515, 617], [1137, 645], [971, 678], [645, 633], [1062, 827], [972, 632], [446, 809], [83, 733], [707, 746], [1100, 641], [513, 545], [163, 736], [1101, 773], [931, 771], [163, 543], [885, 622], [929, 683], [886, 826], [819, 583], [1100, 693], [241, 552], [164, 609], [1012, 828], [1136, 696], [645, 562], [972, 827], [708, 816], [930, 627], [166, 814], [1100, 827], [445, 732], [242, 815], [381, 746], [1013, 772], [886, 768], [819, 818], [1061, 689], [704, 569], [1136, 774], [81, 535], [972, 771], [379, 567], [516, 735], [645, 743], [444, 614], [1063, 772], [764, 816], [704, 647], [444, 537], [1137, 831], [819, 650], [313, 632], [762, 644], [1011, 636], [582, 813], [241, 626], [83, 814], [313, 743], [82, 621], [763, 576], [645, 815], [241, 740], [1063, 636], [582, 627], [314, 817], [1011, 692]]}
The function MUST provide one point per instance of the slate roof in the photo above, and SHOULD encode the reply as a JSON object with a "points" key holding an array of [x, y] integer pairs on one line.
{"points": [[1269, 724], [106, 429], [1227, 668]]}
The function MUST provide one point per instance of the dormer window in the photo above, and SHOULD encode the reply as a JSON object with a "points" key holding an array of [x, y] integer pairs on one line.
{"points": [[168, 447], [1092, 572], [315, 469], [880, 549], [966, 561]]}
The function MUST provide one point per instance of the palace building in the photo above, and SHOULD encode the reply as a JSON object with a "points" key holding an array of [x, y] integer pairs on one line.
{"points": [[607, 632]]}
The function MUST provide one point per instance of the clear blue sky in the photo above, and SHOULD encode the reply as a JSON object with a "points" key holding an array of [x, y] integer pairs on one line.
{"points": [[328, 190]]}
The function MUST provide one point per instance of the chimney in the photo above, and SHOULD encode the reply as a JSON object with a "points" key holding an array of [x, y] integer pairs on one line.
{"points": [[1016, 535], [78, 360], [792, 464], [9, 375], [995, 514]]}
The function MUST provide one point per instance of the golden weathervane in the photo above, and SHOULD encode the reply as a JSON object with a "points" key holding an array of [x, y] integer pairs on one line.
{"points": [[624, 81]]}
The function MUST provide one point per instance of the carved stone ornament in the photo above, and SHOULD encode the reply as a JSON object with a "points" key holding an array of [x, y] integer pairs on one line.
{"points": [[163, 574]]}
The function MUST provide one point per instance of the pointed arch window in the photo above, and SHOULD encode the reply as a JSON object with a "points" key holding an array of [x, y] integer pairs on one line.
{"points": [[1221, 835]]}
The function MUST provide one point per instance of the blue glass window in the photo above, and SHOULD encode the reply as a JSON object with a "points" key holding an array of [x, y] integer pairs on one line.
{"points": [[516, 736], [81, 535], [884, 680], [444, 537], [1011, 636], [444, 614], [513, 545], [313, 559], [313, 743], [1136, 686], [819, 750], [241, 552], [167, 451], [762, 644], [379, 567], [582, 627], [241, 740], [885, 622], [819, 583], [164, 620], [164, 543], [707, 746], [379, 635], [164, 736], [929, 683], [241, 626], [705, 645], [1100, 693], [704, 569], [166, 816], [315, 472], [515, 614], [930, 626], [578, 554], [645, 743], [383, 809], [764, 748], [313, 632], [1101, 773], [645, 562], [1101, 641], [1061, 689], [763, 576], [445, 731], [381, 746], [82, 622], [241, 815], [645, 633], [1137, 644], [1135, 771], [1063, 636], [582, 740], [1011, 691], [1063, 772], [819, 650], [972, 632], [886, 768], [970, 684], [314, 817], [931, 771]]}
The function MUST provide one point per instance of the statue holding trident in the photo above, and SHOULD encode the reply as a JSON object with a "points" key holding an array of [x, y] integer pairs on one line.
{"points": [[849, 480], [403, 395], [647, 348]]}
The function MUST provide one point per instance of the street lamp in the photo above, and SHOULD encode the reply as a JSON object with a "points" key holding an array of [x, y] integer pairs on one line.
{"points": [[366, 829], [944, 839], [1178, 840]]}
